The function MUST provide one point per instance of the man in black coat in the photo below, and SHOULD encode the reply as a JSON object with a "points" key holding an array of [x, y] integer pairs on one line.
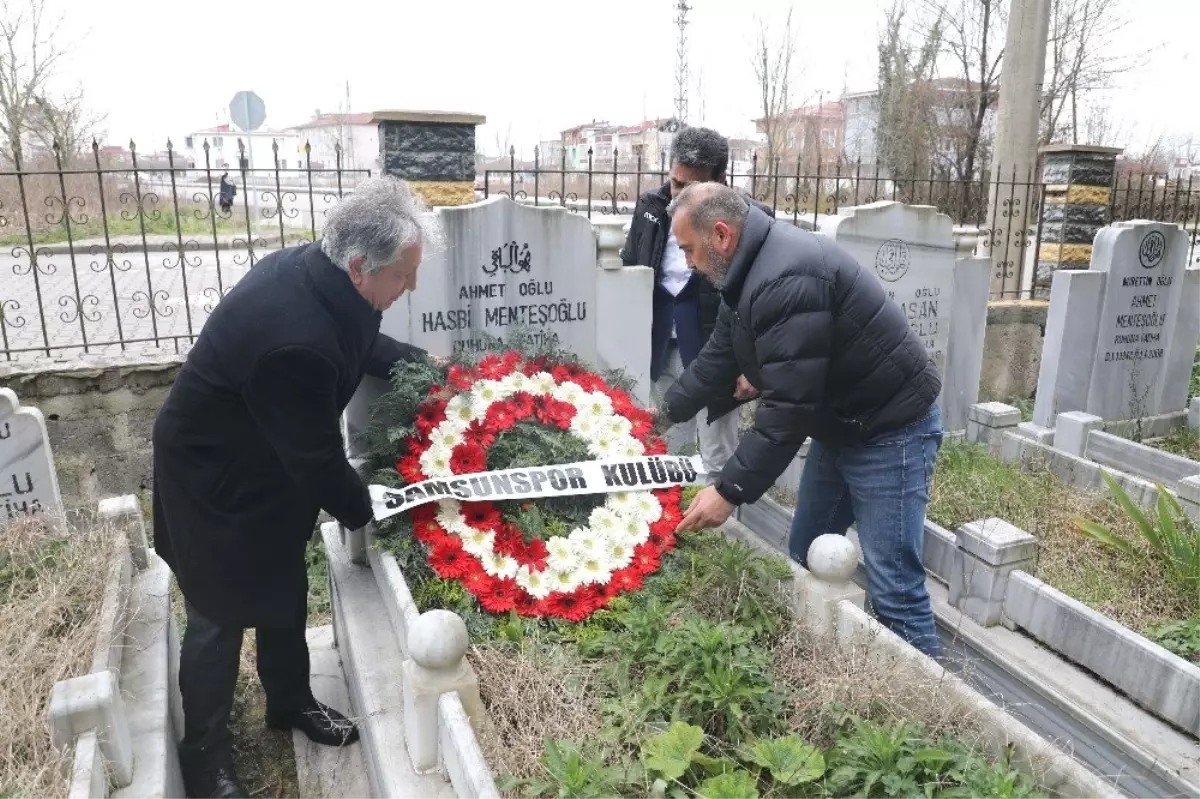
{"points": [[248, 449], [835, 361], [685, 305]]}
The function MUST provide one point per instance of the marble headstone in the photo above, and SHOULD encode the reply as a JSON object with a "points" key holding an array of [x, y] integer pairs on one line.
{"points": [[1137, 319], [28, 482], [911, 250], [506, 266]]}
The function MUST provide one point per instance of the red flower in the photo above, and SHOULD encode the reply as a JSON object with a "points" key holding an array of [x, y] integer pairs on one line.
{"points": [[535, 555], [521, 404], [477, 581], [494, 368], [409, 468], [509, 541], [481, 433], [656, 447], [665, 525], [526, 605], [430, 415], [428, 531], [501, 598], [555, 412], [645, 559], [511, 361], [500, 417], [623, 580], [482, 515], [468, 458], [572, 607], [449, 560], [460, 377], [562, 374]]}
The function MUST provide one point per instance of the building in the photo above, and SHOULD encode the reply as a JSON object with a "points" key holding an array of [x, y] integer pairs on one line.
{"points": [[594, 136], [811, 134], [257, 146], [356, 133]]}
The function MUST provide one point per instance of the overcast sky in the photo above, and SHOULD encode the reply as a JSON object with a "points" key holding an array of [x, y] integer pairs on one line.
{"points": [[533, 67]]}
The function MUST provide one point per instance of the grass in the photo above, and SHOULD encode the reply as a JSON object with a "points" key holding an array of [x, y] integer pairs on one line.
{"points": [[265, 759], [1184, 441], [51, 589], [118, 225], [969, 484]]}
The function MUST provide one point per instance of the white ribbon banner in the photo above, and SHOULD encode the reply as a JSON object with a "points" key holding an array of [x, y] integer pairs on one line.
{"points": [[533, 482]]}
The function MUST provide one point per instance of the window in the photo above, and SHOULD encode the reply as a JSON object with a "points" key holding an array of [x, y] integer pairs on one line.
{"points": [[189, 142], [827, 137], [218, 141]]}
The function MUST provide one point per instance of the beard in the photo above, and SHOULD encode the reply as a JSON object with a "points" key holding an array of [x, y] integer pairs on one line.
{"points": [[718, 268]]}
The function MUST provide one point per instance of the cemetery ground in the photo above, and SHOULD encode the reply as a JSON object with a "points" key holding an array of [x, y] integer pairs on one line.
{"points": [[265, 758], [1132, 589], [51, 589]]}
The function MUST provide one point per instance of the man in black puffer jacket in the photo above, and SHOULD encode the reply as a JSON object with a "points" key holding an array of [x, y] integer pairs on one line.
{"points": [[835, 361]]}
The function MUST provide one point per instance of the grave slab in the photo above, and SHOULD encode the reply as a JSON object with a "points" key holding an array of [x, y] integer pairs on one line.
{"points": [[1072, 324], [911, 250], [28, 481]]}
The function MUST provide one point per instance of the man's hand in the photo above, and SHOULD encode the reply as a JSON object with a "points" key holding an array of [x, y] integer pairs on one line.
{"points": [[744, 390], [708, 509]]}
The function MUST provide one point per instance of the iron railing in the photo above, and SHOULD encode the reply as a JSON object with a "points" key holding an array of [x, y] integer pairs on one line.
{"points": [[135, 254], [804, 192]]}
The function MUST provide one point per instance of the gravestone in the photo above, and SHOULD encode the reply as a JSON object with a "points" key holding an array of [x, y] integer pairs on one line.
{"points": [[506, 266], [1121, 337], [911, 250], [28, 482]]}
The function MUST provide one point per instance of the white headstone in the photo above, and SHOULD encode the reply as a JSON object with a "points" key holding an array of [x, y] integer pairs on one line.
{"points": [[1149, 321], [506, 265], [28, 482], [913, 252], [1121, 337]]}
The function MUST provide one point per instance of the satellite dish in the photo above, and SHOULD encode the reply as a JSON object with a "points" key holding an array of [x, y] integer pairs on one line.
{"points": [[247, 110]]}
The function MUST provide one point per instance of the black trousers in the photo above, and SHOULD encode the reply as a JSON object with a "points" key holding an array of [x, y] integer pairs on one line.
{"points": [[208, 671]]}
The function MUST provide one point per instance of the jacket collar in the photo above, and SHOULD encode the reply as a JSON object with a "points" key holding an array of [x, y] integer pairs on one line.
{"points": [[339, 296], [754, 233]]}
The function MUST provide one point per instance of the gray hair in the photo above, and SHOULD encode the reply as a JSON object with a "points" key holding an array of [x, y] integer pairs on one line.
{"points": [[708, 203], [701, 148], [380, 219]]}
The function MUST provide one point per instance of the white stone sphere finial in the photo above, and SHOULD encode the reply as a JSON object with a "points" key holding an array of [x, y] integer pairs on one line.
{"points": [[832, 558], [438, 640]]}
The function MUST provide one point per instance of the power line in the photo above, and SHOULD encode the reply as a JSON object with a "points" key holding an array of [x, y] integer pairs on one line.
{"points": [[681, 62]]}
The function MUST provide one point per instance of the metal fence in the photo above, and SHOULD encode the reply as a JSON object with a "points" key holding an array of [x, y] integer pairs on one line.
{"points": [[108, 256], [805, 192]]}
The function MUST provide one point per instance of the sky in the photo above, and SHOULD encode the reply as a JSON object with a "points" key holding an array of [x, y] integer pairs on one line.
{"points": [[532, 67]]}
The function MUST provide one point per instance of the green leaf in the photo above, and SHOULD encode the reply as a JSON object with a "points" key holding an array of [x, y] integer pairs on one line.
{"points": [[790, 760], [714, 766], [1100, 533], [671, 753], [735, 785], [1145, 527]]}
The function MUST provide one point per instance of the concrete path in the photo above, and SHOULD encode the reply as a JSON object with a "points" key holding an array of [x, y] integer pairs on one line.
{"points": [[325, 772]]}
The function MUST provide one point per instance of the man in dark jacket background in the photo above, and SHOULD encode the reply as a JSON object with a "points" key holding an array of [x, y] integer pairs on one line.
{"points": [[248, 449], [835, 361], [685, 305]]}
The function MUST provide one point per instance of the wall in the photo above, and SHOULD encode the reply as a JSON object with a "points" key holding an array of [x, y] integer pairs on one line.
{"points": [[1012, 349], [99, 412]]}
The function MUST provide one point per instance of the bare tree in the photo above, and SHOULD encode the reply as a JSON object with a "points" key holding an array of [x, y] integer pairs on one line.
{"points": [[67, 122], [773, 58], [1080, 61], [28, 57], [906, 130]]}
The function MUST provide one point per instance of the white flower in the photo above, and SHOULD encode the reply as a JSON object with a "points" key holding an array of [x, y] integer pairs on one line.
{"points": [[564, 580], [596, 404], [499, 565], [435, 461], [515, 382], [604, 521], [631, 532], [632, 448], [447, 436], [536, 584], [541, 383], [569, 392], [584, 426], [606, 447], [458, 410], [621, 502], [588, 543], [449, 511], [620, 555], [649, 509], [562, 554], [478, 542], [594, 569], [617, 425]]}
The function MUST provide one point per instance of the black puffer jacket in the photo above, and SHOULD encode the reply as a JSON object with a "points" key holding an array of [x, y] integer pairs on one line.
{"points": [[814, 332]]}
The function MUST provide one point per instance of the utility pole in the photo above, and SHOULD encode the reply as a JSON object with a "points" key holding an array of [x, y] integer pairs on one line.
{"points": [[1022, 72], [681, 62]]}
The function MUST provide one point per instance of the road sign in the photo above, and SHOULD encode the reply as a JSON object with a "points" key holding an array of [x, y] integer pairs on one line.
{"points": [[247, 110]]}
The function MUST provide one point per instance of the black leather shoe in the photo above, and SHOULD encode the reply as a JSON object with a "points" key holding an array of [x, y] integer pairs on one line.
{"points": [[321, 723], [213, 781]]}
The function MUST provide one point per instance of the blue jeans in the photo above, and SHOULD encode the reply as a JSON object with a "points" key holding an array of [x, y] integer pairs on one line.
{"points": [[882, 487]]}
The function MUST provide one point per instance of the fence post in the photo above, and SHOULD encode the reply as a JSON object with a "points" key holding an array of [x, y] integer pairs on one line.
{"points": [[434, 152]]}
